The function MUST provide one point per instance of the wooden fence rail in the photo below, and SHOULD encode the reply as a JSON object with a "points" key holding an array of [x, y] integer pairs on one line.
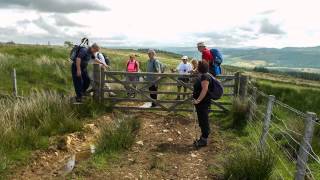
{"points": [[121, 83]]}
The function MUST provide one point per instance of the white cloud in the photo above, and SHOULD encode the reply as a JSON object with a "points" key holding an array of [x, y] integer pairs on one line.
{"points": [[167, 22]]}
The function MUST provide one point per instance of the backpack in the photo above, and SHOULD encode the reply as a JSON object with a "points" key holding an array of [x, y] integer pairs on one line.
{"points": [[74, 52], [106, 59], [76, 49], [162, 66], [215, 88], [218, 58], [132, 66]]}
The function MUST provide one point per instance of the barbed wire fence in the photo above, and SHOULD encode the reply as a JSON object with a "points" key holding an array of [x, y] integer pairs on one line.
{"points": [[285, 131]]}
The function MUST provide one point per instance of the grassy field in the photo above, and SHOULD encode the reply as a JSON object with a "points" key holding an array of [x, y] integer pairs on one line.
{"points": [[44, 74]]}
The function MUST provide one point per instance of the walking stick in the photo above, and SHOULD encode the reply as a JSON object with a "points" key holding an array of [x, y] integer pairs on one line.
{"points": [[195, 117]]}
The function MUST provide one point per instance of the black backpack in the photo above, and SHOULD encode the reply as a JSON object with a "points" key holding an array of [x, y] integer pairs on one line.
{"points": [[76, 49], [215, 88], [106, 58], [74, 52]]}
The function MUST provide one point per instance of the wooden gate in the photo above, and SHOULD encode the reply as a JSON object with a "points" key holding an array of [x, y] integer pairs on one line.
{"points": [[121, 83]]}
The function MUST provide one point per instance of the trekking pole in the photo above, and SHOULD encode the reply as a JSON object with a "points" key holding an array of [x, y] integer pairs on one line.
{"points": [[195, 122]]}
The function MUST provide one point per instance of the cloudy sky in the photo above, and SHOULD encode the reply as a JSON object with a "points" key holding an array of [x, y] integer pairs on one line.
{"points": [[224, 23]]}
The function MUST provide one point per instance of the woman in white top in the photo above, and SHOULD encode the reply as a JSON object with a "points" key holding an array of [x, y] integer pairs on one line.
{"points": [[183, 68]]}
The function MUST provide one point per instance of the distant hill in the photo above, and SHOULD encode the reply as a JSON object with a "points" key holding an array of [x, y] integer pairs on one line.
{"points": [[291, 57]]}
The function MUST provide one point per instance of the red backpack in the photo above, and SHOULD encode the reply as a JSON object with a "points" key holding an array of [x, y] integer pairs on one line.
{"points": [[132, 66]]}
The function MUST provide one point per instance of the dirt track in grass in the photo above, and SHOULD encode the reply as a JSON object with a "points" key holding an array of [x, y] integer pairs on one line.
{"points": [[163, 150]]}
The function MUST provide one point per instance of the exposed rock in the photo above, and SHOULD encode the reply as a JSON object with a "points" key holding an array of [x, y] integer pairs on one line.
{"points": [[139, 143], [64, 143], [89, 128]]}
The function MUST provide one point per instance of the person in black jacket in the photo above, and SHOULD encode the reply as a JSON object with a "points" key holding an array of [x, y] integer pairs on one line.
{"points": [[202, 102]]}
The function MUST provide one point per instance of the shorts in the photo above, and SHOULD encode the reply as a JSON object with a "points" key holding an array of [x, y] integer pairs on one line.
{"points": [[183, 79]]}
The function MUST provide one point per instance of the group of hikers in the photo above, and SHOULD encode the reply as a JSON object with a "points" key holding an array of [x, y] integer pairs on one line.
{"points": [[205, 87]]}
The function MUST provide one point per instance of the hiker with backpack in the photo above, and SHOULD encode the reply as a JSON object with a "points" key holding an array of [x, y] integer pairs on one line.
{"points": [[104, 61], [153, 66], [183, 68], [132, 67], [213, 57], [80, 56], [206, 88]]}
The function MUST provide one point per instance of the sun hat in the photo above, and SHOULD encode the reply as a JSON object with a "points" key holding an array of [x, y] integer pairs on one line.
{"points": [[184, 58]]}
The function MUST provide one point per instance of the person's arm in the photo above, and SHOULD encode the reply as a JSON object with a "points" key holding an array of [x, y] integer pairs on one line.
{"points": [[157, 66], [138, 66], [78, 65], [204, 91]]}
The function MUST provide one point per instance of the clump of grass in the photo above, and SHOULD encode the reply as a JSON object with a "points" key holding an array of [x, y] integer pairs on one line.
{"points": [[239, 113], [27, 124], [250, 164], [119, 137]]}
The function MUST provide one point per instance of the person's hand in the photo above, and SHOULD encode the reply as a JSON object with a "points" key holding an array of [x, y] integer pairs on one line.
{"points": [[79, 73], [195, 101]]}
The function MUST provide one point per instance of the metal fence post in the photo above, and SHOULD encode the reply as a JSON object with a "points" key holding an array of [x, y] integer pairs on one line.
{"points": [[96, 82], [253, 103], [236, 84], [305, 146], [267, 121], [14, 83], [243, 86]]}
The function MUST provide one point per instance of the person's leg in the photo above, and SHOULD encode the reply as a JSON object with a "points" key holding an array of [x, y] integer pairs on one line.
{"points": [[86, 80], [179, 90], [185, 91], [77, 82], [153, 88], [203, 118]]}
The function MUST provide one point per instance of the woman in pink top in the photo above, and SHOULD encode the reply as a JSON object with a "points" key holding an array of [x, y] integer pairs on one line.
{"points": [[132, 67]]}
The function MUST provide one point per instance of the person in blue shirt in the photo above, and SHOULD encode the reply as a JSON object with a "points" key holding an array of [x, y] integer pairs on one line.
{"points": [[80, 77]]}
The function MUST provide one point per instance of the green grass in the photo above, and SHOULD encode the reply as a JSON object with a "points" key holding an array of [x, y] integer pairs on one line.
{"points": [[118, 138], [250, 164], [112, 141], [27, 124]]}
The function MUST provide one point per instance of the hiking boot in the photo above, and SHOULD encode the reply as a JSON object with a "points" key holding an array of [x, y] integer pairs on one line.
{"points": [[202, 142]]}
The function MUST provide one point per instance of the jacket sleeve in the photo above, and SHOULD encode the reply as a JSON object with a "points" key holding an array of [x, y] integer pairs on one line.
{"points": [[157, 67]]}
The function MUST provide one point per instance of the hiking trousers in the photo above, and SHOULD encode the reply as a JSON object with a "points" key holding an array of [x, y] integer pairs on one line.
{"points": [[203, 118], [81, 84], [153, 88]]}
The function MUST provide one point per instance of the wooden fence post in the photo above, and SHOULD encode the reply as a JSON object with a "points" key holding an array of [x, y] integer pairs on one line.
{"points": [[243, 86], [96, 82], [14, 83], [267, 121], [253, 103], [236, 84], [101, 84], [305, 146]]}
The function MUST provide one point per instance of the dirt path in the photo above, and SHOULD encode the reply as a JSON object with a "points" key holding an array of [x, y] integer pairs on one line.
{"points": [[163, 151]]}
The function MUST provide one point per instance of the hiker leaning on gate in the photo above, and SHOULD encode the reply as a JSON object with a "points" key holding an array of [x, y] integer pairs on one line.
{"points": [[132, 67], [183, 68], [153, 66], [202, 102], [104, 61], [80, 77]]}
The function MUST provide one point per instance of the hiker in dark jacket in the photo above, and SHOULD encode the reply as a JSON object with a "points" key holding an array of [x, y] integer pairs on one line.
{"points": [[202, 102], [80, 77]]}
